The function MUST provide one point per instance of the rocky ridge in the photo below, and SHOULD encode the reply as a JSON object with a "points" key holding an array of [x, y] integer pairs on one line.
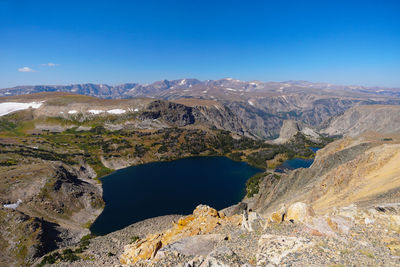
{"points": [[291, 128]]}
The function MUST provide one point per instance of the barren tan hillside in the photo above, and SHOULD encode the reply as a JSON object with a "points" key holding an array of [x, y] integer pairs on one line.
{"points": [[360, 119]]}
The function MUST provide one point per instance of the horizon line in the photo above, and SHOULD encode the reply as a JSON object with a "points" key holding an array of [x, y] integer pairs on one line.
{"points": [[226, 78]]}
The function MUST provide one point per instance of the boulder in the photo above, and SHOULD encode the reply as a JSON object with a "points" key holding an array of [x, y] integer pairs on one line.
{"points": [[277, 216], [319, 226], [192, 245], [252, 221], [299, 211]]}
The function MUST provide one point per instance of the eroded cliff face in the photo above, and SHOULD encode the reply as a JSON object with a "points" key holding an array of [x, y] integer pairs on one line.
{"points": [[360, 119], [193, 111], [291, 128]]}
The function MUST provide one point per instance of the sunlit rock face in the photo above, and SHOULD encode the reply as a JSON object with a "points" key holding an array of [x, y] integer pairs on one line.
{"points": [[203, 220]]}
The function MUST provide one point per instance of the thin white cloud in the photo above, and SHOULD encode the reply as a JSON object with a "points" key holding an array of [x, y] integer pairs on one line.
{"points": [[51, 64], [25, 69]]}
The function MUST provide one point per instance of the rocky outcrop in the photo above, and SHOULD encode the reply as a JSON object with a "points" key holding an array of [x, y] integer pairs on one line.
{"points": [[221, 117], [298, 212], [292, 128], [175, 114], [289, 130], [203, 221], [252, 221]]}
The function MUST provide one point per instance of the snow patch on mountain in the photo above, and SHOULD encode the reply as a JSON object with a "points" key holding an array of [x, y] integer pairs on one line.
{"points": [[116, 111], [13, 205], [96, 111], [9, 107]]}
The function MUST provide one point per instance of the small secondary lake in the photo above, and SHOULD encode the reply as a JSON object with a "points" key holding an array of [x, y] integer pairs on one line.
{"points": [[296, 163], [177, 187]]}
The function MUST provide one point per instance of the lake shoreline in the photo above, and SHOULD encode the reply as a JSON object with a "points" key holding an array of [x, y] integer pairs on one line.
{"points": [[226, 175], [202, 156]]}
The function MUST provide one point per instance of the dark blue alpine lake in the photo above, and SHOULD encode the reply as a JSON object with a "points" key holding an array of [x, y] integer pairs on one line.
{"points": [[177, 187], [296, 163]]}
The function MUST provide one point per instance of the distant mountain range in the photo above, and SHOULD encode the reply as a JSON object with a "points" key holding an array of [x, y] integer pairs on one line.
{"points": [[261, 106], [227, 88]]}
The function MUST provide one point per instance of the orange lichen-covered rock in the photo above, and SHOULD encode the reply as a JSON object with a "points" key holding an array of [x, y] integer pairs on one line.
{"points": [[277, 216], [203, 221]]}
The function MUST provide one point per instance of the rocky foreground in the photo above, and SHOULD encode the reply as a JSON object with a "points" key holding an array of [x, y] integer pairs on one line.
{"points": [[293, 236], [347, 236]]}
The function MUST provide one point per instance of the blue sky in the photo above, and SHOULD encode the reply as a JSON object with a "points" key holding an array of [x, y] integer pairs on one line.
{"points": [[344, 42]]}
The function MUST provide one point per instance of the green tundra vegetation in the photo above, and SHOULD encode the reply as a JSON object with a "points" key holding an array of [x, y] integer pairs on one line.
{"points": [[67, 255], [253, 183], [99, 145]]}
